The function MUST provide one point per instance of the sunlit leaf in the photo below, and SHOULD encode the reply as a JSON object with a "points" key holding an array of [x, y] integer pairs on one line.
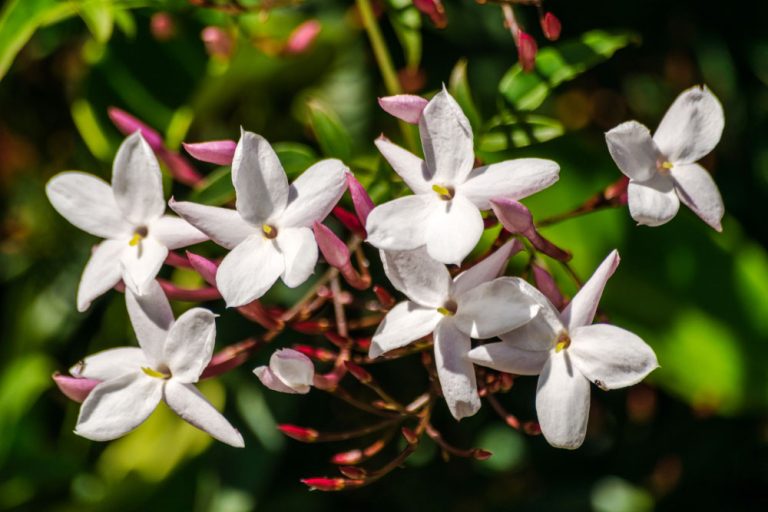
{"points": [[459, 88], [333, 137], [507, 132], [406, 21]]}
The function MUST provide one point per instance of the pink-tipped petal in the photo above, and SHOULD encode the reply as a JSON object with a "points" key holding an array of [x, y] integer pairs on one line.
{"points": [[406, 107], [302, 37], [334, 250], [514, 216], [360, 199], [205, 267], [75, 388], [219, 152], [127, 124]]}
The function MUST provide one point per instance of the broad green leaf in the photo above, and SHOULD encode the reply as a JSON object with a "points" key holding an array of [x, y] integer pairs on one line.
{"points": [[216, 190], [20, 19], [459, 87], [333, 137], [295, 157], [406, 21], [90, 129], [559, 63], [98, 15], [508, 132]]}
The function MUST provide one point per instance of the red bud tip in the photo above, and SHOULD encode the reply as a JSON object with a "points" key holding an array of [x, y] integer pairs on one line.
{"points": [[218, 42], [616, 192], [330, 484], [434, 9], [306, 435], [353, 472], [359, 372], [531, 428], [550, 25], [349, 220], [385, 298], [526, 51], [319, 354], [346, 458], [360, 199], [409, 435], [162, 26], [512, 421], [302, 37], [480, 454], [128, 124], [311, 326], [334, 250], [363, 344]]}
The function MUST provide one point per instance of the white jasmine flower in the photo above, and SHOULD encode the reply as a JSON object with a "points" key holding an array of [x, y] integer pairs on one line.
{"points": [[270, 233], [475, 304], [444, 213], [172, 356], [289, 371], [128, 214], [569, 353], [662, 169]]}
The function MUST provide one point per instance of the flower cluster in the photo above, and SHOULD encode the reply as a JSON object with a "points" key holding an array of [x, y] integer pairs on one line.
{"points": [[424, 239]]}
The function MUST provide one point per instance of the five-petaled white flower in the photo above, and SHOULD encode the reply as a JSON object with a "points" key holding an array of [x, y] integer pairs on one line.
{"points": [[289, 371], [270, 232], [569, 353], [662, 169], [444, 213], [129, 215], [172, 356], [475, 304]]}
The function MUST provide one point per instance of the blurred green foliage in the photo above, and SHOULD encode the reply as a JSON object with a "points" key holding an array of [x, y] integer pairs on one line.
{"points": [[695, 436]]}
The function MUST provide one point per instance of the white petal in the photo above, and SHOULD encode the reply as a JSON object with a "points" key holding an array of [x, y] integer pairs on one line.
{"points": [[137, 182], [270, 380], [117, 406], [611, 357], [401, 224], [541, 332], [194, 408], [455, 228], [101, 273], [446, 137], [87, 202], [404, 323], [260, 181], [562, 402], [506, 357], [151, 318], [697, 190], [249, 270], [109, 364], [421, 278], [408, 166], [455, 371], [653, 202], [189, 345], [314, 194], [299, 249], [142, 262], [486, 270], [175, 233], [222, 225], [494, 308], [692, 126], [511, 179], [633, 150], [581, 310], [293, 368]]}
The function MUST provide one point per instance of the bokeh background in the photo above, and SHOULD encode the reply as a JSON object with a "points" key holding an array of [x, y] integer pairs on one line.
{"points": [[694, 436]]}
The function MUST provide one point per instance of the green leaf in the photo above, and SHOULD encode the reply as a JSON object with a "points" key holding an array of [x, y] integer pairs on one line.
{"points": [[509, 132], [216, 190], [98, 15], [406, 21], [459, 88], [295, 157], [557, 64], [333, 137], [21, 18], [90, 129]]}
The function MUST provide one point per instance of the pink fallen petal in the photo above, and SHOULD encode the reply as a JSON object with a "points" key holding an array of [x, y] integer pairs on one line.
{"points": [[127, 124], [406, 107], [75, 388], [360, 199], [546, 284], [219, 152], [302, 37], [334, 250]]}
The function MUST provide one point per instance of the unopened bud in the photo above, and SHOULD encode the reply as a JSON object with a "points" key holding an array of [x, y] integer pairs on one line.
{"points": [[128, 124], [359, 372], [526, 51], [289, 371], [409, 435], [312, 326], [303, 434], [350, 457], [360, 199], [334, 250], [385, 298], [406, 107], [550, 25], [531, 428], [75, 388], [329, 484], [320, 354], [219, 152], [302, 37], [218, 42], [480, 454], [434, 9], [547, 285], [162, 26], [353, 472], [349, 220]]}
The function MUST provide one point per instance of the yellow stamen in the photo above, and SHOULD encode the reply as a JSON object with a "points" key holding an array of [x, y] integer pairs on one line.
{"points": [[135, 240], [267, 229], [444, 311], [154, 373], [563, 342], [444, 192], [667, 165]]}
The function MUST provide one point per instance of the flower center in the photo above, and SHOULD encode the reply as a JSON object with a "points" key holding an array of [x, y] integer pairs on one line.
{"points": [[665, 166], [139, 234], [449, 308], [562, 342], [445, 193], [268, 231], [164, 374]]}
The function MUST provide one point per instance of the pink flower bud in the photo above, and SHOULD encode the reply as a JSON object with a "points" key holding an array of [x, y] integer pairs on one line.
{"points": [[406, 107], [75, 388], [162, 26], [550, 25], [359, 372], [302, 37], [526, 50], [127, 124], [434, 9], [329, 484], [303, 434], [173, 292], [205, 267], [360, 199], [334, 250], [350, 457], [514, 216], [546, 284], [319, 354], [353, 472], [219, 152], [409, 435], [289, 371], [349, 220], [480, 454], [385, 298], [218, 42]]}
